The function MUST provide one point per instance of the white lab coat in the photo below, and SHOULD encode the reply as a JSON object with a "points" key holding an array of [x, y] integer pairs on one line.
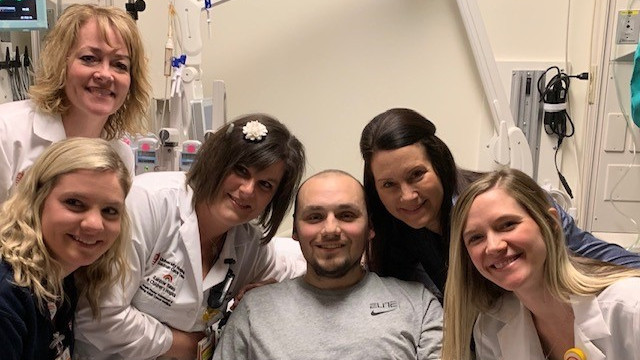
{"points": [[166, 286], [25, 133], [605, 327]]}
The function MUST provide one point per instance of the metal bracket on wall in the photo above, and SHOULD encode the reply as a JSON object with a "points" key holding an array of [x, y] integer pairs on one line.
{"points": [[527, 109], [508, 146]]}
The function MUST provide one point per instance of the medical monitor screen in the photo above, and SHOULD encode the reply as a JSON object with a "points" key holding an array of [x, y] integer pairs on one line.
{"points": [[23, 15]]}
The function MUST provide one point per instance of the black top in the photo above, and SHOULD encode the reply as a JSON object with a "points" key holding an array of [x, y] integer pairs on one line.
{"points": [[29, 332], [416, 255], [433, 255]]}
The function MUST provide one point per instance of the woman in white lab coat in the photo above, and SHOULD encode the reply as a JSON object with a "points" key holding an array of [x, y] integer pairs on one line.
{"points": [[511, 275], [91, 81], [191, 232]]}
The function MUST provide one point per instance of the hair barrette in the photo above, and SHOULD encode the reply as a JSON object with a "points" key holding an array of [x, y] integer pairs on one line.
{"points": [[254, 131], [230, 129]]}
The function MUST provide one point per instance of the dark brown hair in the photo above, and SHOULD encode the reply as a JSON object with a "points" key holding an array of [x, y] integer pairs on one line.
{"points": [[227, 148], [390, 130]]}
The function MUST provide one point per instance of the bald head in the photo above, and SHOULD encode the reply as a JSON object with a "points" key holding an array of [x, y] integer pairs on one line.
{"points": [[332, 226], [326, 176]]}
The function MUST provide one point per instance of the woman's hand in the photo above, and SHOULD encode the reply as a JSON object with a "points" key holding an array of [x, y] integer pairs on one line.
{"points": [[185, 344], [240, 294]]}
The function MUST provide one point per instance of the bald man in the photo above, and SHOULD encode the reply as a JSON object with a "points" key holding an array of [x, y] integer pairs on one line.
{"points": [[337, 310]]}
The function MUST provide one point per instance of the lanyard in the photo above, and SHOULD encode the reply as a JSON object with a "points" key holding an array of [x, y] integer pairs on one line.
{"points": [[216, 298], [219, 292]]}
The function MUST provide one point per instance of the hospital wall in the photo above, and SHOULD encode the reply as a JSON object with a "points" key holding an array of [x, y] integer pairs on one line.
{"points": [[327, 67]]}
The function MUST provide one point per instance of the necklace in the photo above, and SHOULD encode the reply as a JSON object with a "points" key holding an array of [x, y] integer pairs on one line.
{"points": [[217, 247], [551, 347], [548, 354]]}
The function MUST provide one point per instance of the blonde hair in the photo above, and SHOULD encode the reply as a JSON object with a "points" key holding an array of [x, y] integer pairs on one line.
{"points": [[48, 92], [468, 293], [21, 242]]}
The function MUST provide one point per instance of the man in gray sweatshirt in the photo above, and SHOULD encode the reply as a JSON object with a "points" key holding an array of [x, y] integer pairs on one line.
{"points": [[337, 310]]}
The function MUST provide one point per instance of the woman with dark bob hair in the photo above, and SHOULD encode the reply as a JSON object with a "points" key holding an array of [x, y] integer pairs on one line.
{"points": [[198, 238], [411, 181]]}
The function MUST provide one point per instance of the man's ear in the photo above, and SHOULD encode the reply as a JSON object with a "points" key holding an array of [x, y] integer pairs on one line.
{"points": [[372, 232]]}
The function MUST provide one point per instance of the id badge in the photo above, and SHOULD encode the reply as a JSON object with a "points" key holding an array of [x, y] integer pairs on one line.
{"points": [[210, 316], [206, 347], [66, 355]]}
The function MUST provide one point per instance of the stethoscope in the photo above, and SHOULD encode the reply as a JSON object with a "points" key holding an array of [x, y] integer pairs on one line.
{"points": [[219, 292], [217, 295]]}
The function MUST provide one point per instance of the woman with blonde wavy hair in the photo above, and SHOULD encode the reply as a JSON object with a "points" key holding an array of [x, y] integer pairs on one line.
{"points": [[65, 226], [91, 81], [513, 285]]}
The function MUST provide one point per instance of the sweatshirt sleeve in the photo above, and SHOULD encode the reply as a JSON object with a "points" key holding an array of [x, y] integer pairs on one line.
{"points": [[584, 244], [430, 345], [13, 329], [234, 343]]}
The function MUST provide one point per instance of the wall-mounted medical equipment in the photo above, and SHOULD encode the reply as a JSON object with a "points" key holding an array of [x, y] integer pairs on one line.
{"points": [[188, 154], [185, 113], [23, 15], [191, 113], [528, 134], [208, 113], [527, 109], [19, 72], [612, 164], [509, 145], [628, 32], [15, 73], [18, 17], [146, 155], [133, 7], [169, 149]]}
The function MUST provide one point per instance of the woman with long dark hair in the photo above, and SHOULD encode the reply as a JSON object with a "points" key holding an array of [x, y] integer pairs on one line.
{"points": [[411, 181]]}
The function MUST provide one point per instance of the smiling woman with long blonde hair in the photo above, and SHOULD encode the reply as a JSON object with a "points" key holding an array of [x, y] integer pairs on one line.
{"points": [[513, 284], [63, 234]]}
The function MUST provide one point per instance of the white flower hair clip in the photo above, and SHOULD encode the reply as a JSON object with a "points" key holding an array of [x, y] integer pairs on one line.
{"points": [[254, 130]]}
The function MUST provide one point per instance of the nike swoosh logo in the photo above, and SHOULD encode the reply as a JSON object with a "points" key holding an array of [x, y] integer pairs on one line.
{"points": [[381, 311]]}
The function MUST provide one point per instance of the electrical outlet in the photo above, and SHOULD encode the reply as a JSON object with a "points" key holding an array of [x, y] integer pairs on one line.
{"points": [[628, 27]]}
